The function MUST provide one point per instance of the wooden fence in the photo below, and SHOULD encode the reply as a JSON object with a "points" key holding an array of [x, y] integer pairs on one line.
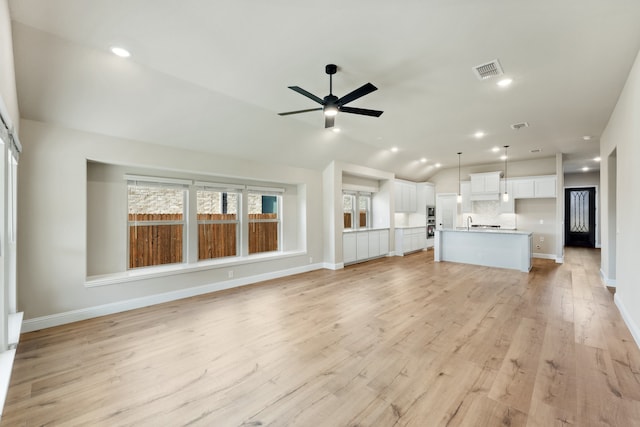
{"points": [[162, 244], [347, 219]]}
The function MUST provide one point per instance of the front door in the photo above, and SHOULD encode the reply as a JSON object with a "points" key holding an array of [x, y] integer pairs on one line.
{"points": [[580, 217]]}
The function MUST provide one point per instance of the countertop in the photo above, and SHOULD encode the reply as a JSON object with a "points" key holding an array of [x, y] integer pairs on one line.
{"points": [[362, 230], [487, 230]]}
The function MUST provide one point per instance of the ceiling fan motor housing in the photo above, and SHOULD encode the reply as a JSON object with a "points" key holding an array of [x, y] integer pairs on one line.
{"points": [[331, 68]]}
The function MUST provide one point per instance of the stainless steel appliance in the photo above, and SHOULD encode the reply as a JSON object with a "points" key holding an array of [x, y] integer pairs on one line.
{"points": [[431, 221]]}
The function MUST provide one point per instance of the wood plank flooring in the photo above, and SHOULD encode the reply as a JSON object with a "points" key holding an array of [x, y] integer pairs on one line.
{"points": [[399, 341]]}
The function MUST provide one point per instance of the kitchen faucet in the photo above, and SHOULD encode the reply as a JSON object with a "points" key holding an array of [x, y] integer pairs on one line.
{"points": [[469, 220]]}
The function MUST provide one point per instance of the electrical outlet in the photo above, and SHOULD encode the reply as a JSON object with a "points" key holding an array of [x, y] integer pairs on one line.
{"points": [[230, 274], [542, 238], [310, 260]]}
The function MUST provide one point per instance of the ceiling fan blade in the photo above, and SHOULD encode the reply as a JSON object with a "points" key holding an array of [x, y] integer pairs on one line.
{"points": [[328, 121], [307, 94], [361, 91], [363, 111], [299, 111]]}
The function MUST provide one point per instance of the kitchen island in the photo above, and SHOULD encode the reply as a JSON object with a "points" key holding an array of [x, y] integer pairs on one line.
{"points": [[489, 247]]}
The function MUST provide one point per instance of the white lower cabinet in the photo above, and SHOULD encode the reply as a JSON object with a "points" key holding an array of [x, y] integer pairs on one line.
{"points": [[410, 239], [364, 244]]}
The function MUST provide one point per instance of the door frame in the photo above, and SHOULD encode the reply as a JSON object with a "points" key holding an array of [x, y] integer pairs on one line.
{"points": [[597, 211]]}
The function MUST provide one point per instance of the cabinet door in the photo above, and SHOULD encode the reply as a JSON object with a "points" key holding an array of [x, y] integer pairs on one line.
{"points": [[362, 243], [523, 188], [465, 190], [545, 187], [477, 184], [348, 247], [374, 243], [412, 202], [430, 194], [384, 242], [492, 183]]}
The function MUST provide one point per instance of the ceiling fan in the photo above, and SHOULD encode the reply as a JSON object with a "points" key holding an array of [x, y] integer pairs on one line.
{"points": [[331, 104]]}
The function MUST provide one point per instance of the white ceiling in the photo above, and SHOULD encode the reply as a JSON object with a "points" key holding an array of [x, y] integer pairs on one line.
{"points": [[212, 75]]}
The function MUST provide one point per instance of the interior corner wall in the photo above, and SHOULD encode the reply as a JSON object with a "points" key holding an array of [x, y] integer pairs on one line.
{"points": [[7, 74], [52, 207], [621, 137]]}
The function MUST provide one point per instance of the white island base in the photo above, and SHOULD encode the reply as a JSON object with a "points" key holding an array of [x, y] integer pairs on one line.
{"points": [[492, 248]]}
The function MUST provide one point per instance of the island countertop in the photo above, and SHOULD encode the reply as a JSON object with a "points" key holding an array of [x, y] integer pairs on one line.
{"points": [[489, 230]]}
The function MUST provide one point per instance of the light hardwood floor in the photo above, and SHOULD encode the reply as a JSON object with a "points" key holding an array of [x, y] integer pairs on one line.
{"points": [[392, 342]]}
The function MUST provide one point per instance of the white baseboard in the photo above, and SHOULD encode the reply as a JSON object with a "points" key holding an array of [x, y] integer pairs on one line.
{"points": [[58, 319], [560, 260], [633, 327], [337, 266], [543, 256], [606, 280]]}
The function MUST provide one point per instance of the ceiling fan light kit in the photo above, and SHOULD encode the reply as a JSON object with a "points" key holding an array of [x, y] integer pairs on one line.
{"points": [[331, 104]]}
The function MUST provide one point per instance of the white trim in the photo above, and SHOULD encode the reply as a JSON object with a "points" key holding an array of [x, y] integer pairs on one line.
{"points": [[173, 269], [156, 179], [633, 327], [6, 366], [359, 188], [15, 324], [606, 280], [219, 185], [560, 260], [58, 319], [265, 189], [543, 256], [330, 266]]}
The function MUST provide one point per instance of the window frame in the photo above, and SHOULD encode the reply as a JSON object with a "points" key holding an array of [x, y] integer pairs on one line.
{"points": [[355, 209], [224, 189], [184, 222], [265, 191]]}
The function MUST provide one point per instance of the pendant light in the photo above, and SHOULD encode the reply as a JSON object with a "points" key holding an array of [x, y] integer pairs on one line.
{"points": [[459, 184], [505, 196]]}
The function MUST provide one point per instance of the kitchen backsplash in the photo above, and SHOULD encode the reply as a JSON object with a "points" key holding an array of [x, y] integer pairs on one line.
{"points": [[487, 212]]}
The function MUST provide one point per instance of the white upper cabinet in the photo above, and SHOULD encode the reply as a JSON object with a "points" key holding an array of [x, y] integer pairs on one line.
{"points": [[534, 187], [485, 186], [405, 196]]}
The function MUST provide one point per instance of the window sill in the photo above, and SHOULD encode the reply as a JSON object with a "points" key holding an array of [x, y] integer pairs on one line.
{"points": [[173, 269]]}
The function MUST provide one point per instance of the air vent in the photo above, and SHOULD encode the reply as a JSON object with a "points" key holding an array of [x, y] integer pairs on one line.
{"points": [[518, 126], [535, 150], [488, 70]]}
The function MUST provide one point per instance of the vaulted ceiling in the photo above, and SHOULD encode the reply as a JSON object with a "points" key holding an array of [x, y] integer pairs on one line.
{"points": [[212, 75]]}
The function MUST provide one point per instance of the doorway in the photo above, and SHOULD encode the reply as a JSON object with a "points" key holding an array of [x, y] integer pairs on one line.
{"points": [[580, 217]]}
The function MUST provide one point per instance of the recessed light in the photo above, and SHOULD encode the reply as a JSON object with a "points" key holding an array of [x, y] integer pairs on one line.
{"points": [[596, 159], [423, 160], [585, 169], [504, 82], [495, 149], [438, 165], [586, 137], [394, 149], [121, 52], [479, 134], [503, 157], [336, 130]]}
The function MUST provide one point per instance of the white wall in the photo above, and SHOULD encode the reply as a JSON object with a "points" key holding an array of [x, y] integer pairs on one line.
{"points": [[622, 138], [53, 209], [7, 73]]}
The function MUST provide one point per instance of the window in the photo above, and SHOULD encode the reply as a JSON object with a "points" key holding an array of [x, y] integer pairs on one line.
{"points": [[348, 209], [218, 223], [156, 223], [364, 210], [264, 221], [360, 218]]}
